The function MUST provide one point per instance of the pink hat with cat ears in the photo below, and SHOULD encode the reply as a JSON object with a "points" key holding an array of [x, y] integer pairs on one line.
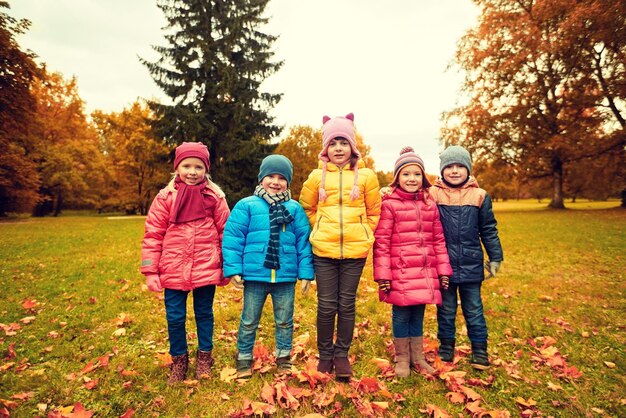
{"points": [[332, 128]]}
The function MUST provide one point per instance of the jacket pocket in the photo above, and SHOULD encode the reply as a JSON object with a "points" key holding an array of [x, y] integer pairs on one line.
{"points": [[253, 258], [470, 253], [367, 235], [317, 226]]}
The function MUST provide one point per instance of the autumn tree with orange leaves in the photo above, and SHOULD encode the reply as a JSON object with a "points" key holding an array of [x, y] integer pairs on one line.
{"points": [[546, 85]]}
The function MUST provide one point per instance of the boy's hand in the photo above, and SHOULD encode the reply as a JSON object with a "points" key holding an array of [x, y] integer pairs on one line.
{"points": [[384, 191], [154, 283], [384, 285], [492, 267], [305, 285], [237, 281], [444, 282]]}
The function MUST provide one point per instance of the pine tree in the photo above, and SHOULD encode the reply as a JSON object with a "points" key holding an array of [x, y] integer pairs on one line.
{"points": [[212, 67]]}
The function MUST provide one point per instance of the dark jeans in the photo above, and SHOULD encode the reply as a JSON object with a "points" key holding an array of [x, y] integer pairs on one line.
{"points": [[176, 315], [407, 321], [337, 283], [472, 307], [254, 296]]}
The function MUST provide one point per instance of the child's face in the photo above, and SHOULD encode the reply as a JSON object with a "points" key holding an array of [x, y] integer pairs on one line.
{"points": [[410, 178], [455, 174], [191, 171], [274, 183], [339, 151]]}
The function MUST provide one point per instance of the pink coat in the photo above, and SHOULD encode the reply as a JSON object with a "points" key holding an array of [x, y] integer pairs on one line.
{"points": [[186, 255], [410, 249]]}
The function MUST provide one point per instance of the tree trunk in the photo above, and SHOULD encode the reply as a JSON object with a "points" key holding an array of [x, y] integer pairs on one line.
{"points": [[59, 204], [557, 181], [624, 198]]}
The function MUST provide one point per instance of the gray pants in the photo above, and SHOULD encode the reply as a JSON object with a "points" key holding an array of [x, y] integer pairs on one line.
{"points": [[337, 283]]}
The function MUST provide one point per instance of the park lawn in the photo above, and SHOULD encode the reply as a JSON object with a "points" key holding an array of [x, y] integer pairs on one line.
{"points": [[80, 334]]}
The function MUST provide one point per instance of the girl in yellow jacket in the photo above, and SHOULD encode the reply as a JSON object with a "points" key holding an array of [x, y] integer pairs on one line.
{"points": [[342, 202]]}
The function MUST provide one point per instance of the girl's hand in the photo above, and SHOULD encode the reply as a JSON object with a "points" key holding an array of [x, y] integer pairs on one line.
{"points": [[384, 285], [305, 285], [237, 281], [444, 282], [154, 283]]}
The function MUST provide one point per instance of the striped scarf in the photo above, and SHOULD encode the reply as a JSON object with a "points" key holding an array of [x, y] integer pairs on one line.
{"points": [[279, 215]]}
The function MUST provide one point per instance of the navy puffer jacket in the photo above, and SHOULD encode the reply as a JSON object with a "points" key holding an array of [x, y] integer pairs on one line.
{"points": [[467, 218]]}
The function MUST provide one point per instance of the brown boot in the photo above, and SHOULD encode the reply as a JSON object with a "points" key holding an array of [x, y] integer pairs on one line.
{"points": [[402, 359], [417, 356], [325, 366], [204, 362], [178, 368], [343, 369]]}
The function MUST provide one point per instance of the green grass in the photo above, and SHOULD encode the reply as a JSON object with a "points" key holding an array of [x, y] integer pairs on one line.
{"points": [[563, 277]]}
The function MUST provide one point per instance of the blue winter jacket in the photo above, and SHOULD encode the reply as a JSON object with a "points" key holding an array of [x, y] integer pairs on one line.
{"points": [[467, 219], [246, 238]]}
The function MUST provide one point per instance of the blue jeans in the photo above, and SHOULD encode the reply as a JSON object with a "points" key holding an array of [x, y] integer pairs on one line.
{"points": [[176, 315], [407, 321], [472, 307], [337, 284], [254, 295]]}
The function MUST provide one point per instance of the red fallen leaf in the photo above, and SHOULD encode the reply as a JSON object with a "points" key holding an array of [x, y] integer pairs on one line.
{"points": [[128, 384], [481, 382], [436, 412], [7, 366], [23, 396], [474, 408], [128, 414], [455, 397], [80, 411], [29, 303], [284, 397], [367, 385], [495, 414], [91, 384], [257, 408], [470, 393], [122, 319], [268, 393], [11, 351], [9, 404], [104, 360], [380, 406], [300, 393], [571, 372], [363, 406], [323, 399], [129, 373], [90, 367]]}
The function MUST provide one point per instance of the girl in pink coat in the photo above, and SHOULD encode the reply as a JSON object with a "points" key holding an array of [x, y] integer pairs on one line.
{"points": [[410, 259], [182, 253]]}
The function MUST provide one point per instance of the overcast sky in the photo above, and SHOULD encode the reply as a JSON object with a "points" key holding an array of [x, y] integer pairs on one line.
{"points": [[385, 61]]}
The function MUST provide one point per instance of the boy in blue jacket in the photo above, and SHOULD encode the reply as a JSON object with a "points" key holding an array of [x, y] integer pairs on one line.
{"points": [[468, 220], [266, 250]]}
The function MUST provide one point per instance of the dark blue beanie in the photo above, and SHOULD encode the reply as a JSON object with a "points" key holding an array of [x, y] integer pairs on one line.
{"points": [[455, 154], [276, 164]]}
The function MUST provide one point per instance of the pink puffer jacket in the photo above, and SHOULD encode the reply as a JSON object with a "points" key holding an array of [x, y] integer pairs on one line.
{"points": [[186, 255], [410, 249]]}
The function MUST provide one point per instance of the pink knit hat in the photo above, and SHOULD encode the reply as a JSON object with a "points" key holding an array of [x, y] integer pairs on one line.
{"points": [[409, 157], [338, 127], [192, 149]]}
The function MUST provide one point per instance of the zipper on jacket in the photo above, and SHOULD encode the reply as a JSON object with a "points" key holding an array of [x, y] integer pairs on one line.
{"points": [[273, 279], [340, 213], [425, 268]]}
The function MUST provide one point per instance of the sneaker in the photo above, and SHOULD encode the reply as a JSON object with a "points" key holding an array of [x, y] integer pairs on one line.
{"points": [[244, 369], [283, 364]]}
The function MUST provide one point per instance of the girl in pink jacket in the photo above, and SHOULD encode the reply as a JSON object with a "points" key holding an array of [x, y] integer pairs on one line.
{"points": [[410, 259], [182, 253]]}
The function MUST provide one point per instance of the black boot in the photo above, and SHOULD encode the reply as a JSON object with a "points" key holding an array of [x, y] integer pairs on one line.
{"points": [[480, 359], [446, 349]]}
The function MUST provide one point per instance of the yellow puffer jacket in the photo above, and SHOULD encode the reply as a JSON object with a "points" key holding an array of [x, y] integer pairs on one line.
{"points": [[342, 228]]}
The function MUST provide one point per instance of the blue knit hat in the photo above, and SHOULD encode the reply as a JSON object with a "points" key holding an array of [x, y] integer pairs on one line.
{"points": [[276, 164], [455, 154]]}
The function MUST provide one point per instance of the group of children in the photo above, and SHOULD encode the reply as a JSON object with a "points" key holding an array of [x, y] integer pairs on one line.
{"points": [[426, 243]]}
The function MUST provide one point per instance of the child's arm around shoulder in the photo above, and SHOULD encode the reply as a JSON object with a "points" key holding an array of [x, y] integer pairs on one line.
{"points": [[309, 195], [234, 239], [303, 245], [372, 199]]}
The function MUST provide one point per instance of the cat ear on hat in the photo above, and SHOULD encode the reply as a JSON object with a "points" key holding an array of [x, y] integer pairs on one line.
{"points": [[325, 119], [350, 116]]}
